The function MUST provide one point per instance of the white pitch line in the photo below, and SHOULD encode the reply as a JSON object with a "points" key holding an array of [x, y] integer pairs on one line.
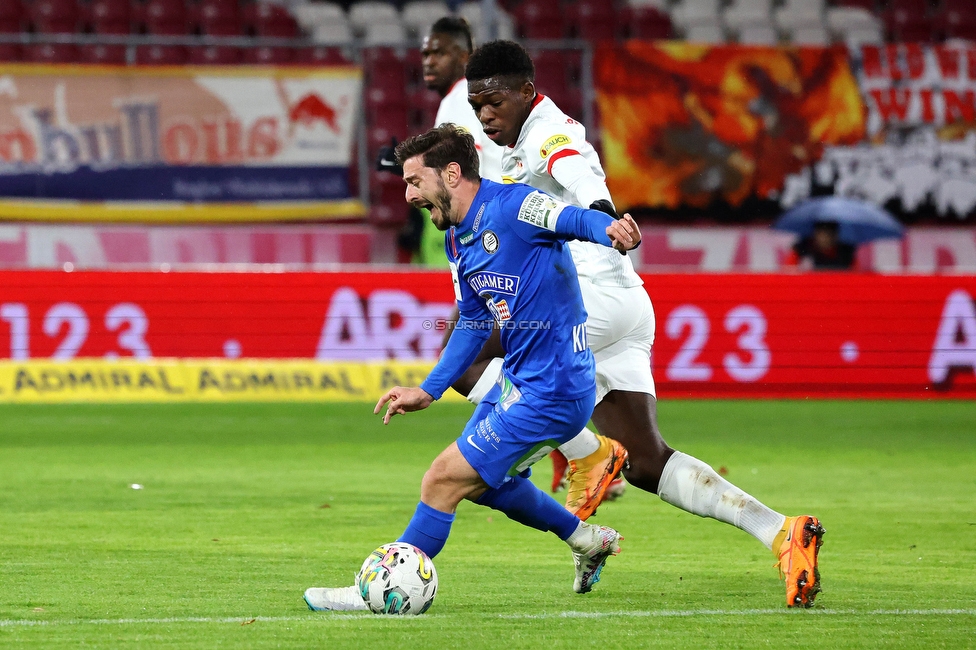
{"points": [[663, 613]]}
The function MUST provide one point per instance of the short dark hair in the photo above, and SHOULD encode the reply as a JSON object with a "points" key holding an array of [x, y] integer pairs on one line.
{"points": [[440, 146], [457, 28], [500, 58]]}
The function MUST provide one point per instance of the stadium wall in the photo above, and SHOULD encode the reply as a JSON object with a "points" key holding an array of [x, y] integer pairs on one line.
{"points": [[109, 335]]}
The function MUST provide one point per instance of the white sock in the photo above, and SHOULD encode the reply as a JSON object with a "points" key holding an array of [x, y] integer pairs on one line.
{"points": [[584, 444], [692, 485], [488, 379], [581, 537]]}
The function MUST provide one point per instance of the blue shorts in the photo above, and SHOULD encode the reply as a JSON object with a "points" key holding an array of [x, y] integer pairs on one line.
{"points": [[510, 431]]}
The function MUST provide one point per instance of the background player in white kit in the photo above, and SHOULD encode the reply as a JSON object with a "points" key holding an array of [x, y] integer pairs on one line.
{"points": [[548, 150]]}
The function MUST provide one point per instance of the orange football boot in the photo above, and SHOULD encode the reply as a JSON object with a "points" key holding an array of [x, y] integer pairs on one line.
{"points": [[590, 477], [798, 545]]}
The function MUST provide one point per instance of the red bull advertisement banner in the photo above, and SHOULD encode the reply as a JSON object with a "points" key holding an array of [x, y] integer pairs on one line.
{"points": [[718, 335], [176, 144]]}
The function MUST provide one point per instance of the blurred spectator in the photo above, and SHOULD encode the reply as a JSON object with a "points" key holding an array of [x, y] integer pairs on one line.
{"points": [[822, 249]]}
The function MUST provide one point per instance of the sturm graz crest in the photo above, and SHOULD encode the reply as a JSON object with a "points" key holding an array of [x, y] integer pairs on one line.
{"points": [[489, 241]]}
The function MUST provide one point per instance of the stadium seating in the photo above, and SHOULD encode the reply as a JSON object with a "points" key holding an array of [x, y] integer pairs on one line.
{"points": [[747, 13], [591, 20], [847, 23], [109, 16], [322, 55], [51, 53], [645, 22], [813, 35], [372, 12], [54, 16], [338, 33], [696, 12], [419, 15], [161, 55], [265, 55], [103, 54], [908, 20], [541, 19], [10, 52], [214, 55], [165, 17], [310, 15], [800, 14], [956, 19], [471, 11], [758, 34], [269, 21]]}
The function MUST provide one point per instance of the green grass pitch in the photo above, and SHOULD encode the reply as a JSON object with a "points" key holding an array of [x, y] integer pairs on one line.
{"points": [[243, 506]]}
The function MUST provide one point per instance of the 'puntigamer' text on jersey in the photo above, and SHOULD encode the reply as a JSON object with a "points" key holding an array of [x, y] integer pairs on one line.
{"points": [[511, 267]]}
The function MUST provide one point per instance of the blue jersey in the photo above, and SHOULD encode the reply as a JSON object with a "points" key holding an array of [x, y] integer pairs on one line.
{"points": [[511, 268]]}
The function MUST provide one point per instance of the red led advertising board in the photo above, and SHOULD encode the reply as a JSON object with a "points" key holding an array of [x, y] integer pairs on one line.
{"points": [[721, 335]]}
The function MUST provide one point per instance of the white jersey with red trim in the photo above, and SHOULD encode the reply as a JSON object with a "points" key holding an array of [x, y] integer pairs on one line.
{"points": [[547, 136], [455, 108]]}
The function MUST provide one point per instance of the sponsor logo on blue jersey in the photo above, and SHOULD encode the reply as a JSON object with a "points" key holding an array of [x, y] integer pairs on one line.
{"points": [[494, 282]]}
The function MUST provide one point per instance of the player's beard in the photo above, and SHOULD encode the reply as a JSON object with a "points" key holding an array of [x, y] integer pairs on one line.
{"points": [[441, 202]]}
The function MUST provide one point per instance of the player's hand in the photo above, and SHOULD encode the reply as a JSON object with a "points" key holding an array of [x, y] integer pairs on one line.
{"points": [[403, 400], [624, 233], [386, 159]]}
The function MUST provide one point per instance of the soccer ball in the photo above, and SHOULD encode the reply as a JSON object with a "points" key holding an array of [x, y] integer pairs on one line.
{"points": [[397, 579]]}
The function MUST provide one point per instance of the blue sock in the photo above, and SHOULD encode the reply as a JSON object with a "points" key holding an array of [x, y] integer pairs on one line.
{"points": [[523, 502], [428, 529]]}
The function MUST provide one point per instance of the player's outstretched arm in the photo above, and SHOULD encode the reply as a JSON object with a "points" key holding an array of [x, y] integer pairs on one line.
{"points": [[624, 233], [403, 400]]}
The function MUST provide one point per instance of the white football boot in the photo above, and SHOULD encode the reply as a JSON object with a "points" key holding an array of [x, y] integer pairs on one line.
{"points": [[334, 599], [592, 545]]}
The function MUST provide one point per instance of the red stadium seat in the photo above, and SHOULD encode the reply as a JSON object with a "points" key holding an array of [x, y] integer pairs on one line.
{"points": [[103, 54], [570, 101], [233, 28], [161, 55], [116, 29], [908, 20], [592, 21], [51, 53], [269, 55], [322, 55], [10, 10], [214, 55], [217, 11], [423, 105], [388, 205], [555, 70], [957, 19], [9, 26], [10, 52], [540, 19], [646, 23], [269, 20], [55, 16], [109, 12], [165, 17]]}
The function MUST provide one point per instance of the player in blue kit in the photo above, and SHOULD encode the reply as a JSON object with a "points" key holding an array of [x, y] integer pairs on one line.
{"points": [[510, 268]]}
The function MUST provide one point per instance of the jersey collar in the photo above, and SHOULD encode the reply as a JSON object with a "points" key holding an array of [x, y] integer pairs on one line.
{"points": [[535, 102], [471, 224]]}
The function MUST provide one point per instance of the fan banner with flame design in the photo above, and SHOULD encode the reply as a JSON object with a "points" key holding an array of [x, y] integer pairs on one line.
{"points": [[688, 125]]}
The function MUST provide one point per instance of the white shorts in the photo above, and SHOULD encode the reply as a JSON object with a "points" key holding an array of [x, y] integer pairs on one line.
{"points": [[620, 333]]}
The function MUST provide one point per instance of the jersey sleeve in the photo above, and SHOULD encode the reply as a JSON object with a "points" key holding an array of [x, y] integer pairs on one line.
{"points": [[548, 142], [541, 218]]}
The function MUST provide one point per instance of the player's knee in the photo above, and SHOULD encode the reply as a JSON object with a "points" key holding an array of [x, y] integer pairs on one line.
{"points": [[440, 488]]}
